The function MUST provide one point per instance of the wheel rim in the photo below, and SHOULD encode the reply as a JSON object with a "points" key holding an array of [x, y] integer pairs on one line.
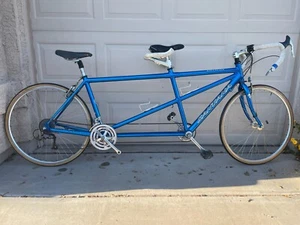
{"points": [[30, 110], [243, 140]]}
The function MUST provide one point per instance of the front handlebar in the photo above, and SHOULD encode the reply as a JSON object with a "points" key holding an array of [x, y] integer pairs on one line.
{"points": [[283, 46]]}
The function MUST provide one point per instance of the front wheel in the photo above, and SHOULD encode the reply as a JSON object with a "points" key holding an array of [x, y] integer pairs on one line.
{"points": [[240, 134], [31, 109]]}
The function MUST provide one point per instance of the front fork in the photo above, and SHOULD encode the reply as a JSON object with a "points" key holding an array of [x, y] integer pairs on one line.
{"points": [[247, 105]]}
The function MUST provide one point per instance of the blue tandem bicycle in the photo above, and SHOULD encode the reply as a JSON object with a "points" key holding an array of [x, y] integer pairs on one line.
{"points": [[50, 125]]}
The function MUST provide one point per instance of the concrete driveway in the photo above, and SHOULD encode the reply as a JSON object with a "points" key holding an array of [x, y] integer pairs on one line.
{"points": [[150, 188]]}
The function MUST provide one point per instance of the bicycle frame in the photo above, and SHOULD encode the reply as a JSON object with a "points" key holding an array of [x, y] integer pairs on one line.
{"points": [[235, 77]]}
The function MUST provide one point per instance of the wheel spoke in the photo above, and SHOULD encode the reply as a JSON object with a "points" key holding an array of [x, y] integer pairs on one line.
{"points": [[30, 110], [252, 145]]}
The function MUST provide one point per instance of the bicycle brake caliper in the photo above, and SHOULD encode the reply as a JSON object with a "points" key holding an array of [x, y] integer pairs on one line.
{"points": [[72, 88], [70, 91]]}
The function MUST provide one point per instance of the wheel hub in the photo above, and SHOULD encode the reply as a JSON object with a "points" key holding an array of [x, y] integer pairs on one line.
{"points": [[256, 126], [43, 128]]}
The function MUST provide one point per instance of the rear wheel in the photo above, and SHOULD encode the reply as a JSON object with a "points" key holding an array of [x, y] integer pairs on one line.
{"points": [[246, 141], [31, 109]]}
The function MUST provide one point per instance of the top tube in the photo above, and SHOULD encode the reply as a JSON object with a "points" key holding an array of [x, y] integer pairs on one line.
{"points": [[206, 72], [169, 74]]}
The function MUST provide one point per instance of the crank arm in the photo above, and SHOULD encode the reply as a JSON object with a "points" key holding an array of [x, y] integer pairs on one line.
{"points": [[112, 146]]}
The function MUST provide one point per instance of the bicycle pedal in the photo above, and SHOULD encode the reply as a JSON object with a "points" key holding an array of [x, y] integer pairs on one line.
{"points": [[171, 116], [206, 154]]}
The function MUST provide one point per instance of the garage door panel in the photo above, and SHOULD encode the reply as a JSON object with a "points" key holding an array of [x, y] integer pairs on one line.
{"points": [[281, 10], [132, 9], [198, 57], [193, 110], [188, 85], [66, 9], [149, 86], [112, 104], [120, 106], [119, 32], [167, 15], [207, 10], [122, 54], [54, 68], [127, 59], [160, 86], [129, 109]]}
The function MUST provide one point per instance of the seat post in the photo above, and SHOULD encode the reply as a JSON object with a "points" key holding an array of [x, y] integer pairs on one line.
{"points": [[81, 67]]}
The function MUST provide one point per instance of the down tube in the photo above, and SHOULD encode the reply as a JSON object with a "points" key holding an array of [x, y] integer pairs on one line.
{"points": [[228, 88]]}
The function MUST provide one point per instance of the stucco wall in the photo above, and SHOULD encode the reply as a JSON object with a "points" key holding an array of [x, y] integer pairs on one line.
{"points": [[296, 87], [296, 104], [15, 58], [295, 99]]}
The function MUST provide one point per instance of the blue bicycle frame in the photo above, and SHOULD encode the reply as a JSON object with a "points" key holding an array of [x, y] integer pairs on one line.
{"points": [[235, 77]]}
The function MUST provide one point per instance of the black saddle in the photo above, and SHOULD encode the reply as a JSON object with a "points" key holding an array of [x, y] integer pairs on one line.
{"points": [[72, 55], [163, 48]]}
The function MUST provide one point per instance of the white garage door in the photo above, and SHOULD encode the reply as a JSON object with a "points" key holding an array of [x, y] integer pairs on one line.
{"points": [[119, 32]]}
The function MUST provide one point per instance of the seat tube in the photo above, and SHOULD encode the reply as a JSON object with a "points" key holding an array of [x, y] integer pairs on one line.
{"points": [[177, 97], [92, 98]]}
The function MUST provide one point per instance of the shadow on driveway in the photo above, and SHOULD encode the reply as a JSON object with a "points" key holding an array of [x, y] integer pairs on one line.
{"points": [[102, 174]]}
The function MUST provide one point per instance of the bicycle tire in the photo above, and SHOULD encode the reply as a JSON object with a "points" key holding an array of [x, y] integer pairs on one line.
{"points": [[24, 119], [243, 140]]}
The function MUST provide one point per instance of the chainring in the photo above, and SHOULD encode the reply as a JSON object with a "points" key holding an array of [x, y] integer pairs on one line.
{"points": [[100, 132]]}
